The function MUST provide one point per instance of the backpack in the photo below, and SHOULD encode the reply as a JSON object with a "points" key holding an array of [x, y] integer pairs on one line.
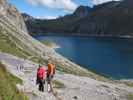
{"points": [[40, 73], [51, 69]]}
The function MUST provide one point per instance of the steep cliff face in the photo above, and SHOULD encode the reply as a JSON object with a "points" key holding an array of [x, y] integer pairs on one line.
{"points": [[9, 11]]}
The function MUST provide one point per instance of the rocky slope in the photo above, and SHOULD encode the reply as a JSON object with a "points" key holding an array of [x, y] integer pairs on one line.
{"points": [[12, 13], [75, 87], [114, 18]]}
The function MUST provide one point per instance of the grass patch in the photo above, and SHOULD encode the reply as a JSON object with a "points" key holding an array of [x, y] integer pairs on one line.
{"points": [[128, 84], [7, 46], [70, 71], [38, 60], [130, 97], [50, 44], [58, 84], [79, 72], [47, 43], [8, 83]]}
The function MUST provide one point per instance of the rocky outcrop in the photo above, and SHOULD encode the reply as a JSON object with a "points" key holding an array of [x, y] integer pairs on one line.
{"points": [[82, 11], [9, 11]]}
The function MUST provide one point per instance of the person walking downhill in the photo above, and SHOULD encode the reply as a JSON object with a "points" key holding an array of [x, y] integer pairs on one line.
{"points": [[41, 78], [50, 75]]}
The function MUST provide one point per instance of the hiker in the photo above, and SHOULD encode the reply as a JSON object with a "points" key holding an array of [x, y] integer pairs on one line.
{"points": [[50, 75], [20, 67], [41, 77]]}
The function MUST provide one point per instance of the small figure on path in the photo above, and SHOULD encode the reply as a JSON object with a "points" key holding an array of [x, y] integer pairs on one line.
{"points": [[50, 75], [41, 78]]}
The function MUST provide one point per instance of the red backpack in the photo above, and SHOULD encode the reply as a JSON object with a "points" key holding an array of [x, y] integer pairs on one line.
{"points": [[40, 73]]}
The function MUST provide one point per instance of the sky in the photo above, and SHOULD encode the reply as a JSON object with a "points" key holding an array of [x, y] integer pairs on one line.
{"points": [[50, 9]]}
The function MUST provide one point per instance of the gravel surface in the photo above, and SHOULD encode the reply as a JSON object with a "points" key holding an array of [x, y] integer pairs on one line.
{"points": [[76, 87]]}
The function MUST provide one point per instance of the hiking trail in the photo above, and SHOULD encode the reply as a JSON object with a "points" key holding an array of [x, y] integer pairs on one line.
{"points": [[76, 87]]}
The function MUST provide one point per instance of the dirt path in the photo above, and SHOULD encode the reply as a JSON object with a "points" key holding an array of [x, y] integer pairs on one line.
{"points": [[27, 74], [76, 88]]}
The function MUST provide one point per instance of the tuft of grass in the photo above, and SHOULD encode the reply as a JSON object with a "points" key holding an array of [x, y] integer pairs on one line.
{"points": [[128, 84], [130, 97], [47, 43], [58, 84], [8, 83], [79, 72]]}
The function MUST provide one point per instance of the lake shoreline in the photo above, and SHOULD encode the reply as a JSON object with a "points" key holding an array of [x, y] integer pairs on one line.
{"points": [[63, 42], [91, 35], [54, 46], [51, 44]]}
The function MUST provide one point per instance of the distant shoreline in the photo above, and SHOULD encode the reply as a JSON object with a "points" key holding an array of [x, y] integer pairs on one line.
{"points": [[85, 35], [55, 46], [50, 44]]}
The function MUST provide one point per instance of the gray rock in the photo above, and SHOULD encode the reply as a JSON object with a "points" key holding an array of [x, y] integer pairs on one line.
{"points": [[12, 13]]}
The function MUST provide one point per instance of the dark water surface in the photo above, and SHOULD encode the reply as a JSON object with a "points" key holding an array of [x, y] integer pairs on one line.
{"points": [[112, 57]]}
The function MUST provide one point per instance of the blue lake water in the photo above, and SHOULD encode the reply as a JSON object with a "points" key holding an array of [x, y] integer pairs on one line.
{"points": [[112, 57]]}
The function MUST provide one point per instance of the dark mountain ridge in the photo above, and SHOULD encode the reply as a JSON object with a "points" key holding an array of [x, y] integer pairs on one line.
{"points": [[114, 18]]}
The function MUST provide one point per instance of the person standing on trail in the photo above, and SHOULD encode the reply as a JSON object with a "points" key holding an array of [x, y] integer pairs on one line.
{"points": [[50, 75], [41, 77]]}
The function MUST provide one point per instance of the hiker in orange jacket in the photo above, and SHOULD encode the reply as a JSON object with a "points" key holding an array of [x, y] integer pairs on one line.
{"points": [[41, 77], [50, 74]]}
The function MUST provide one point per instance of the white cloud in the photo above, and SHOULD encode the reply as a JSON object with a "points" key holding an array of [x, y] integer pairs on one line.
{"points": [[96, 2], [67, 5], [47, 17]]}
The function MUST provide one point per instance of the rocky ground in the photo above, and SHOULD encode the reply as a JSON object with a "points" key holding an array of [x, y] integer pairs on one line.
{"points": [[76, 87]]}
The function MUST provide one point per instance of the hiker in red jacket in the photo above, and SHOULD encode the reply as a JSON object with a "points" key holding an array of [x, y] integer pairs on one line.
{"points": [[41, 77]]}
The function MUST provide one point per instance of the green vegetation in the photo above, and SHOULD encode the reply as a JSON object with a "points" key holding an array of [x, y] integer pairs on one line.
{"points": [[130, 84], [100, 19], [7, 46], [58, 84], [38, 59], [8, 83], [47, 43], [62, 24], [130, 97], [79, 72]]}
